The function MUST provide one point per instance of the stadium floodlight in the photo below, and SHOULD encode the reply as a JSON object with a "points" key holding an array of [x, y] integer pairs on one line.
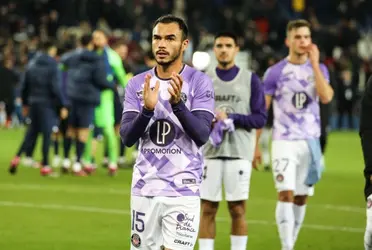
{"points": [[201, 60]]}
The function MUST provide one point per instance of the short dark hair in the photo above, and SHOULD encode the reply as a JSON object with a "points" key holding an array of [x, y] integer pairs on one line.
{"points": [[229, 34], [86, 39], [299, 23], [174, 19]]}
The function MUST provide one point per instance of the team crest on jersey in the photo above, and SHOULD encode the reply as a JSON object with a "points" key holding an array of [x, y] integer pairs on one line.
{"points": [[140, 93], [226, 108], [183, 97], [136, 240], [311, 78], [279, 178]]}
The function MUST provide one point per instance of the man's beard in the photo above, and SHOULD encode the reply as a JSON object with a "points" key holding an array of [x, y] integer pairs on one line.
{"points": [[224, 63], [171, 60]]}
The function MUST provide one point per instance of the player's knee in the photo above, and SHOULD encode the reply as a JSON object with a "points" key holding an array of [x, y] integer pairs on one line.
{"points": [[286, 196], [237, 209], [209, 209], [71, 133], [83, 134], [300, 200]]}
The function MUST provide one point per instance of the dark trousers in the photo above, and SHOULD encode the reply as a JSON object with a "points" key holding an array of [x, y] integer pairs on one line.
{"points": [[345, 107], [366, 140], [43, 118]]}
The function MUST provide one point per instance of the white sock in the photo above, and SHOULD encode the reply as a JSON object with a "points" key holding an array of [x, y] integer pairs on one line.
{"points": [[66, 163], [238, 242], [266, 157], [285, 221], [56, 161], [206, 244], [299, 216], [121, 160], [76, 167], [368, 232], [113, 166], [322, 161]]}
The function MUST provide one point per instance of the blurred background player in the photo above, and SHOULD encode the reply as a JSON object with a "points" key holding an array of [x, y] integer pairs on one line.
{"points": [[169, 110], [365, 132], [59, 131], [122, 50], [41, 96], [86, 78], [295, 85], [9, 82], [240, 109], [105, 112]]}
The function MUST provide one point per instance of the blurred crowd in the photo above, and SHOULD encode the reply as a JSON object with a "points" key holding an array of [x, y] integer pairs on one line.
{"points": [[341, 28]]}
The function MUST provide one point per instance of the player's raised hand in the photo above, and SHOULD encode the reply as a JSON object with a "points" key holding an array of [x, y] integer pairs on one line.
{"points": [[150, 95], [175, 88], [314, 54]]}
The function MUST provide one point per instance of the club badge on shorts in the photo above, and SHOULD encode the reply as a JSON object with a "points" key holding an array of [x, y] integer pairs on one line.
{"points": [[279, 177], [136, 240]]}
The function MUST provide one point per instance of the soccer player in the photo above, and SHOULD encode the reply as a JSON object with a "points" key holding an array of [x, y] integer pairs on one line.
{"points": [[239, 100], [41, 95], [365, 132], [86, 78], [295, 85], [122, 50], [105, 112], [59, 131], [170, 110]]}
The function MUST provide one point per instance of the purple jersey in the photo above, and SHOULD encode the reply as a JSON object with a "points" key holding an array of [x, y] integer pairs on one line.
{"points": [[295, 101], [169, 162]]}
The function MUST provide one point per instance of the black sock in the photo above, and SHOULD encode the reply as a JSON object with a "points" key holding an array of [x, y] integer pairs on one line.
{"points": [[106, 148], [79, 149], [56, 147], [122, 149], [67, 146]]}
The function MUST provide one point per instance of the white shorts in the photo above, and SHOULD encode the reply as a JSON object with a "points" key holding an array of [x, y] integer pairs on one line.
{"points": [[290, 163], [172, 222], [235, 176]]}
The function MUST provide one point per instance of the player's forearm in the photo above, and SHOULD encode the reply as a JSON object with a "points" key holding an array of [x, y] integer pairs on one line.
{"points": [[323, 88], [258, 136], [133, 125], [197, 124], [248, 122]]}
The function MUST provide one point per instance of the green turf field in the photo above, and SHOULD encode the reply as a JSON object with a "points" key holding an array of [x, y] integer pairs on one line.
{"points": [[92, 213]]}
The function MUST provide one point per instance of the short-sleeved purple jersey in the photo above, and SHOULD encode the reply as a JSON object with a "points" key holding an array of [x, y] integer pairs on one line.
{"points": [[295, 100]]}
